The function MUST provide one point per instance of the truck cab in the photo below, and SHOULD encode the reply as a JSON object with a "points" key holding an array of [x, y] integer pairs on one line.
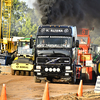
{"points": [[56, 53]]}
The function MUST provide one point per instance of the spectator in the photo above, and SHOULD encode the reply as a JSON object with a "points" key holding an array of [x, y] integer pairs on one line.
{"points": [[26, 46], [43, 42], [82, 41], [66, 43]]}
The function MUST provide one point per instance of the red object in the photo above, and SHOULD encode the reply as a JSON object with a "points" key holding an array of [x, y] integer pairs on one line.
{"points": [[80, 89], [46, 92], [85, 57], [83, 51], [3, 93], [83, 34]]}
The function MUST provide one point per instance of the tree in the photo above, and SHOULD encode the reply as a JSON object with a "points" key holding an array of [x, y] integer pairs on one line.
{"points": [[28, 28], [24, 20]]}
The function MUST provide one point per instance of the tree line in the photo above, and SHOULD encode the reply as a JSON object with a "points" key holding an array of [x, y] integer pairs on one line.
{"points": [[24, 20]]}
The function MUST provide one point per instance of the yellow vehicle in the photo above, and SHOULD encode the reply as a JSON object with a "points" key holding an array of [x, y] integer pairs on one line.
{"points": [[7, 46], [24, 62]]}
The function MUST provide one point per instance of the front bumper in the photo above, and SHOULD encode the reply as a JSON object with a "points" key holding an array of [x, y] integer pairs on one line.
{"points": [[22, 66], [53, 71]]}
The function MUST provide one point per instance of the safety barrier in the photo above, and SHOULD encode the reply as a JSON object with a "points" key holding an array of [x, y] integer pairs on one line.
{"points": [[97, 86]]}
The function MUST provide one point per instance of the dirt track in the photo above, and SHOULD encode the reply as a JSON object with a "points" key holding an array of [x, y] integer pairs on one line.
{"points": [[24, 88]]}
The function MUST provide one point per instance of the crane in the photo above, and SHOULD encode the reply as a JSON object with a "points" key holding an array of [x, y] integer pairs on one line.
{"points": [[8, 46], [5, 40], [0, 21]]}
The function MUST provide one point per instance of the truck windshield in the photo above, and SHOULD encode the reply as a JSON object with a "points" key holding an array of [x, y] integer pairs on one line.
{"points": [[54, 41], [23, 48], [82, 40]]}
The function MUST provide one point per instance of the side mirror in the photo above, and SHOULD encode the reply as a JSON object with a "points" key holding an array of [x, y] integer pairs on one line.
{"points": [[31, 42], [73, 42], [34, 45], [77, 43]]}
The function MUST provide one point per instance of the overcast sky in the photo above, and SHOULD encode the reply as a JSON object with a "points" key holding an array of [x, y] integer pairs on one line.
{"points": [[29, 2]]}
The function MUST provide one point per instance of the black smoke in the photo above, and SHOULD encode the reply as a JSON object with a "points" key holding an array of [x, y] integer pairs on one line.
{"points": [[81, 13]]}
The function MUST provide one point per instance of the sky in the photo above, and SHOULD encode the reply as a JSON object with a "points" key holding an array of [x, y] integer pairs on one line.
{"points": [[29, 2]]}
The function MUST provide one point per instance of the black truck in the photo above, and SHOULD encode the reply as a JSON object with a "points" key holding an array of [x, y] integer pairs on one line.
{"points": [[56, 53]]}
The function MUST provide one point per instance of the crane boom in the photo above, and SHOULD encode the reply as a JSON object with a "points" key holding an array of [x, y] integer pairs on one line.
{"points": [[0, 19], [7, 19], [5, 41]]}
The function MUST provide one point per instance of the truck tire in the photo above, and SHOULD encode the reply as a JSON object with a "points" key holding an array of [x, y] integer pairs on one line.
{"points": [[12, 72], [17, 72], [73, 79], [78, 80], [22, 73], [50, 79], [74, 75], [93, 77], [36, 80], [27, 73]]}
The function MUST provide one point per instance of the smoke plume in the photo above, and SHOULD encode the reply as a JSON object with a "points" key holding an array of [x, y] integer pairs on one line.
{"points": [[81, 13]]}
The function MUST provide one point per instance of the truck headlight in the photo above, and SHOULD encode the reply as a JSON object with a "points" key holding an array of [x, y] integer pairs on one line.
{"points": [[46, 69], [50, 69], [54, 69], [67, 67], [58, 69], [38, 67]]}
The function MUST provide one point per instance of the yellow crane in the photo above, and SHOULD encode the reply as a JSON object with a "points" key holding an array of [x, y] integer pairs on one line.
{"points": [[0, 21], [10, 46]]}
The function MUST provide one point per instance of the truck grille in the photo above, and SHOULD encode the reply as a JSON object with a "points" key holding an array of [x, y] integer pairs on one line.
{"points": [[53, 60]]}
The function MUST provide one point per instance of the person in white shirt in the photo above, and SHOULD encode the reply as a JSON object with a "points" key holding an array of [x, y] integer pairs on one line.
{"points": [[66, 43], [82, 41], [26, 46]]}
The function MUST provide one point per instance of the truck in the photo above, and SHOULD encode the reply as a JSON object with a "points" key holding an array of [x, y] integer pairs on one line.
{"points": [[85, 56], [56, 53], [23, 64]]}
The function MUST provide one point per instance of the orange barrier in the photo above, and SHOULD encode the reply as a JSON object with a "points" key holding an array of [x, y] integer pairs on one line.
{"points": [[3, 93], [46, 92], [80, 89]]}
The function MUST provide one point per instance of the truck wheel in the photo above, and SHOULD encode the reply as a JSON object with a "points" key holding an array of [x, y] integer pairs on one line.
{"points": [[12, 72], [22, 73], [17, 72], [36, 80], [27, 73], [74, 75], [50, 79], [78, 80], [73, 79], [93, 77]]}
